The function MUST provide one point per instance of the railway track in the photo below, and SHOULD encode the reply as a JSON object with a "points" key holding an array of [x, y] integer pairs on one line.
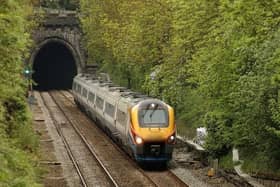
{"points": [[85, 177], [157, 177]]}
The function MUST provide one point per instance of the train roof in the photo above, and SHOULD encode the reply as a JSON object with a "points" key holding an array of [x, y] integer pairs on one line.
{"points": [[112, 89]]}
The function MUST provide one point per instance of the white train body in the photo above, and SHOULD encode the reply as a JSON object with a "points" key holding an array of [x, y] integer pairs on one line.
{"points": [[118, 109]]}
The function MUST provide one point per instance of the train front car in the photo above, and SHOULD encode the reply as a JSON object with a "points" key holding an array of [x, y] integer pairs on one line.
{"points": [[152, 131]]}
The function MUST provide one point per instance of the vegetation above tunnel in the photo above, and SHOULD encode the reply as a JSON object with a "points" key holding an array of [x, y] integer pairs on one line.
{"points": [[217, 62]]}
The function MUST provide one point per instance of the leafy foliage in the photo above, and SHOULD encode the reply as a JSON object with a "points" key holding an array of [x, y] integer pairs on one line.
{"points": [[17, 141], [216, 61]]}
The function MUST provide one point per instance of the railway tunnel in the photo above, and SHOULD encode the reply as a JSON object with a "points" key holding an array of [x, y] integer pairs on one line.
{"points": [[54, 67]]}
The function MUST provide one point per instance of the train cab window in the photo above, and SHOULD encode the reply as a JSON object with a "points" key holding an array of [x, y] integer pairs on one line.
{"points": [[109, 109], [121, 117], [91, 97], [99, 102], [84, 92], [153, 117]]}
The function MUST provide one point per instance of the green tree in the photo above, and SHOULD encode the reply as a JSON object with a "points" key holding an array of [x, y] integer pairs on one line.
{"points": [[216, 62]]}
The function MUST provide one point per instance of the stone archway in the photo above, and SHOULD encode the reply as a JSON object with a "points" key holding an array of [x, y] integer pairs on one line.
{"points": [[62, 28], [54, 62]]}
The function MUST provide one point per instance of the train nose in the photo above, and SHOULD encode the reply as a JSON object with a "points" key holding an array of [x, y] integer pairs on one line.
{"points": [[155, 150], [155, 130], [154, 134]]}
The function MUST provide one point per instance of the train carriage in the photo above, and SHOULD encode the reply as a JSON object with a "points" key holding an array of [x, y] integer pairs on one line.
{"points": [[145, 126]]}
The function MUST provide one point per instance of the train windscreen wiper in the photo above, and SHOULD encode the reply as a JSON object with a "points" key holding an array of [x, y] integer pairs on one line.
{"points": [[154, 109], [147, 109]]}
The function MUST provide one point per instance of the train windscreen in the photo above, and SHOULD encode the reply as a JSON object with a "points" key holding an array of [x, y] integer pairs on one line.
{"points": [[153, 117]]}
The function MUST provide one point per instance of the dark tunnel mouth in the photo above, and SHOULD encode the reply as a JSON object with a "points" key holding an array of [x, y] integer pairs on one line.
{"points": [[54, 67]]}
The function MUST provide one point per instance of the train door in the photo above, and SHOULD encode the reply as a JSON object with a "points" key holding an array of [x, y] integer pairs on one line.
{"points": [[109, 114], [84, 94], [78, 91], [91, 103], [121, 119], [99, 102]]}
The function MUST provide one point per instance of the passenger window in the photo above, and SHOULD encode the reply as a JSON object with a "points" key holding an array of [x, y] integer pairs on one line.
{"points": [[91, 97], [99, 102], [84, 92], [109, 109], [121, 117]]}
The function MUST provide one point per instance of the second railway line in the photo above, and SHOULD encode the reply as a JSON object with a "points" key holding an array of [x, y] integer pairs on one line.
{"points": [[86, 166]]}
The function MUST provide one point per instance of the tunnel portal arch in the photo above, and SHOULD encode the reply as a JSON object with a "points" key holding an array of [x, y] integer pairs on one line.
{"points": [[60, 27], [54, 63]]}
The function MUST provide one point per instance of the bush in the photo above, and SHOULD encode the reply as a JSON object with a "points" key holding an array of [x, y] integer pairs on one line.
{"points": [[18, 144], [17, 167]]}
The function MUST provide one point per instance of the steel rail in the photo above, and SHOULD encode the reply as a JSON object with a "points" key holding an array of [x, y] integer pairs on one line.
{"points": [[68, 149], [92, 151], [180, 181]]}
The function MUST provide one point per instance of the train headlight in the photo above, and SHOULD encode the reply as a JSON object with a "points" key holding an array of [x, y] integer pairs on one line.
{"points": [[171, 139], [138, 140]]}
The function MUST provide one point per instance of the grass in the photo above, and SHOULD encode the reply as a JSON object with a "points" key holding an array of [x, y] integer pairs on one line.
{"points": [[226, 162], [259, 163]]}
